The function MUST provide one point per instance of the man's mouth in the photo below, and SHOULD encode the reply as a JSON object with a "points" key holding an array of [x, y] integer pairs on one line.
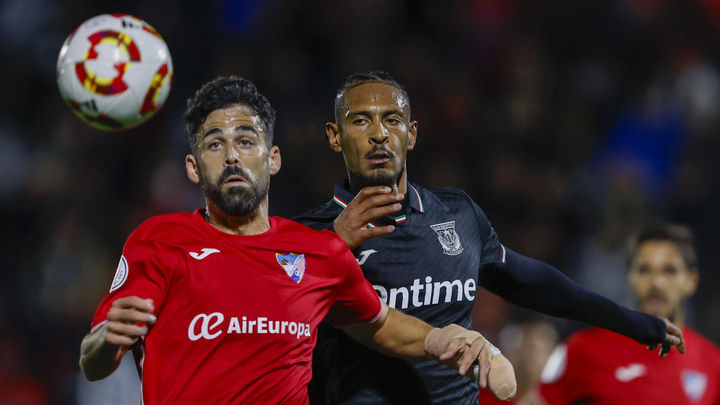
{"points": [[234, 180], [655, 303], [378, 157]]}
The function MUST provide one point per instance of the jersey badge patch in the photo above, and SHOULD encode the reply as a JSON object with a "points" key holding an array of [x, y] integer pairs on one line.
{"points": [[121, 274], [448, 238], [293, 264], [694, 384]]}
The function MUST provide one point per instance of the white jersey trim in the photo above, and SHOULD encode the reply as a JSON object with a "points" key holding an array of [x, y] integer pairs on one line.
{"points": [[383, 310]]}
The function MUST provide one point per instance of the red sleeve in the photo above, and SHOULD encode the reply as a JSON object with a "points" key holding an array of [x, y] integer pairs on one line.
{"points": [[355, 299], [559, 381], [143, 271]]}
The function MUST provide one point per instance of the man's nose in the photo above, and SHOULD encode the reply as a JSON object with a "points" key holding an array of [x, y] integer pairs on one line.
{"points": [[378, 133], [232, 156], [659, 281]]}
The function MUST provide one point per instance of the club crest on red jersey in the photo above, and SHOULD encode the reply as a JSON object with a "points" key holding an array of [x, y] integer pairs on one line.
{"points": [[293, 264], [694, 384]]}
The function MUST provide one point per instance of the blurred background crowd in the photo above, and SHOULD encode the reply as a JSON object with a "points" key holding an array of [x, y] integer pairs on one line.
{"points": [[569, 122]]}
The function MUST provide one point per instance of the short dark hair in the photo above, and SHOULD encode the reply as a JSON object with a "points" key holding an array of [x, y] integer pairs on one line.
{"points": [[680, 236], [224, 92], [359, 78]]}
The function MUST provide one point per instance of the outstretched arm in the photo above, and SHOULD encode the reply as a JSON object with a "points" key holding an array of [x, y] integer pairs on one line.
{"points": [[402, 335], [536, 285], [102, 349]]}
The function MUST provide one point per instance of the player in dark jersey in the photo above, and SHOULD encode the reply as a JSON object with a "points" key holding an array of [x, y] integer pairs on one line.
{"points": [[596, 366], [426, 252], [222, 305]]}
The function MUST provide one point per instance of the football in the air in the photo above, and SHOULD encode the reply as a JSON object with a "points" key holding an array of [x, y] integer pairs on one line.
{"points": [[114, 71]]}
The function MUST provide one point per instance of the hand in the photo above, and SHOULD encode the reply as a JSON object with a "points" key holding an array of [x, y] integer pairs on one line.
{"points": [[368, 205], [460, 348], [673, 337], [128, 320]]}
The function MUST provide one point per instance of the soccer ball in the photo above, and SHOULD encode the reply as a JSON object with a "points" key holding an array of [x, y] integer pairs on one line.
{"points": [[114, 71]]}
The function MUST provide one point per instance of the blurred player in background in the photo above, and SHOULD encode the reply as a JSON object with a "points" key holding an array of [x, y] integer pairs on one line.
{"points": [[222, 305], [425, 252], [596, 366]]}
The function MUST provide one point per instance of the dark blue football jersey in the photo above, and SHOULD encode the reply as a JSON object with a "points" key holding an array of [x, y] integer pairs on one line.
{"points": [[428, 267]]}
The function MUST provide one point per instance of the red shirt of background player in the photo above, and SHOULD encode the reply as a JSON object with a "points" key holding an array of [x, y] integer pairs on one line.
{"points": [[236, 315], [596, 366]]}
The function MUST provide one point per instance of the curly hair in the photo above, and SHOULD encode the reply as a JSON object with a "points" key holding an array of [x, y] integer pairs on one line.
{"points": [[359, 78], [224, 92]]}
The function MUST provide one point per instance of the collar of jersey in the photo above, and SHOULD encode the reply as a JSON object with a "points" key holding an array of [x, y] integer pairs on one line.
{"points": [[202, 223], [342, 197]]}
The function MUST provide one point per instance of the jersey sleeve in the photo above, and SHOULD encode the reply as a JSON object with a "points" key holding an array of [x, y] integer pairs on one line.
{"points": [[355, 298], [143, 271], [492, 251]]}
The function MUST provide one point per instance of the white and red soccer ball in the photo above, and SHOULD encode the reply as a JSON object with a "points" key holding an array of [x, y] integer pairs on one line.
{"points": [[114, 71]]}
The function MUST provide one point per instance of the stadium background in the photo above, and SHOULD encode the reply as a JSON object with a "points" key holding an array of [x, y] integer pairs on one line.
{"points": [[568, 122]]}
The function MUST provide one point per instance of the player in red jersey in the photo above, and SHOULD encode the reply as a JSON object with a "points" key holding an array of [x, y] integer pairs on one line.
{"points": [[596, 366], [221, 306]]}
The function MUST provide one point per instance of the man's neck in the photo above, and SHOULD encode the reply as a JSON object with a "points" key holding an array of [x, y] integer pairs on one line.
{"points": [[678, 318], [255, 223]]}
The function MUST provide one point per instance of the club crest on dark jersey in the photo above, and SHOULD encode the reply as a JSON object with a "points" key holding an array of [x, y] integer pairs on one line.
{"points": [[293, 264], [448, 238]]}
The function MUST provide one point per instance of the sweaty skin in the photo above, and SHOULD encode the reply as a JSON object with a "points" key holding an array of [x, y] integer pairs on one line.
{"points": [[374, 135], [234, 136]]}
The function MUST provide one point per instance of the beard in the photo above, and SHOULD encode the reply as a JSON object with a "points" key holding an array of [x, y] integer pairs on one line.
{"points": [[376, 178], [236, 201]]}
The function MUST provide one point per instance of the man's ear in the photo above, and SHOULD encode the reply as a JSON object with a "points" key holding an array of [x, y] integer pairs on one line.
{"points": [[274, 160], [333, 134], [412, 129], [191, 167]]}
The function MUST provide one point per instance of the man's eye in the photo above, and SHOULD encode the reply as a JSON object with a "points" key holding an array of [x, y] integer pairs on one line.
{"points": [[393, 121], [246, 142], [359, 121], [214, 145]]}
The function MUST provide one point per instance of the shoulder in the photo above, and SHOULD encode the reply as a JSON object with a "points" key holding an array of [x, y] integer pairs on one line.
{"points": [[162, 228], [452, 199], [587, 338], [326, 240], [568, 356], [446, 194], [694, 338], [320, 217]]}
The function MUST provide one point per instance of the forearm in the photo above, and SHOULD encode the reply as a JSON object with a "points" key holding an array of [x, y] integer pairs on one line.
{"points": [[541, 287], [99, 358], [398, 335]]}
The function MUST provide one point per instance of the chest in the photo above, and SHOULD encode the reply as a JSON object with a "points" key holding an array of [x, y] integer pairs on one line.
{"points": [[643, 379], [430, 260], [242, 284]]}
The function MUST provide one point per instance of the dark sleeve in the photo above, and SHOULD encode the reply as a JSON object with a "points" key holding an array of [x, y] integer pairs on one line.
{"points": [[491, 251], [543, 288]]}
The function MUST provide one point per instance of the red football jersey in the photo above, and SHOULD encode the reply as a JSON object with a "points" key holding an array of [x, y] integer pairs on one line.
{"points": [[596, 366], [236, 315]]}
